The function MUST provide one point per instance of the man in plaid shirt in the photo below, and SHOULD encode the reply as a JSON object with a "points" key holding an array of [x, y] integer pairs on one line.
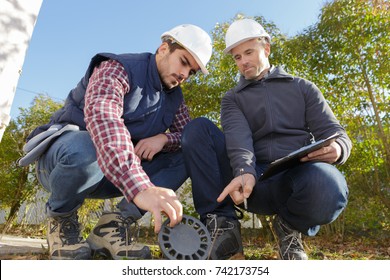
{"points": [[130, 113]]}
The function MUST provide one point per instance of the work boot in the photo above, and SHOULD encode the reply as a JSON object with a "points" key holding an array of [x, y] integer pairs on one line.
{"points": [[289, 240], [225, 237], [64, 239], [113, 236]]}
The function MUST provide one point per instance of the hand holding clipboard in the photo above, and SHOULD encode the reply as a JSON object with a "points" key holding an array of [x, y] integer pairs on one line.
{"points": [[294, 158]]}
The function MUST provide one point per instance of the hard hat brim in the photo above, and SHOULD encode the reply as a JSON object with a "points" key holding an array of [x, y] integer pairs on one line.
{"points": [[201, 66], [228, 49]]}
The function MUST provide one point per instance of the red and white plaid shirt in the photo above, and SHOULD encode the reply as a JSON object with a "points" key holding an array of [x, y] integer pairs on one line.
{"points": [[115, 152]]}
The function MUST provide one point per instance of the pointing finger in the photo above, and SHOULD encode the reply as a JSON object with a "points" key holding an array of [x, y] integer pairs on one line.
{"points": [[225, 193]]}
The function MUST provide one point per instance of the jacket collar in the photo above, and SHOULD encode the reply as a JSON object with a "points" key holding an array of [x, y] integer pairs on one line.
{"points": [[273, 73]]}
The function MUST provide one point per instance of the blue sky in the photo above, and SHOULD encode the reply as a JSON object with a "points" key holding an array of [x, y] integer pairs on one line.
{"points": [[68, 33]]}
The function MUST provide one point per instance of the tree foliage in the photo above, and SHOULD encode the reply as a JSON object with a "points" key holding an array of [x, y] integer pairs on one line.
{"points": [[355, 46], [346, 55], [18, 184]]}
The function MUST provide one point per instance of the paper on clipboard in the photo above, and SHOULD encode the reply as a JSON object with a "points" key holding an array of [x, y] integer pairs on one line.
{"points": [[293, 158]]}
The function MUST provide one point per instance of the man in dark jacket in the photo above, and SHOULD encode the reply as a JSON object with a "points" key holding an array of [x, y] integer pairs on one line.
{"points": [[119, 134], [268, 115]]}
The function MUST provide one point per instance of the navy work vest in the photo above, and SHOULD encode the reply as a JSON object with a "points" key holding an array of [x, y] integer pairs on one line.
{"points": [[147, 110]]}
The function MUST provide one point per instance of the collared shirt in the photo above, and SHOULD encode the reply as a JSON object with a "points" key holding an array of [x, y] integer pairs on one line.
{"points": [[115, 152]]}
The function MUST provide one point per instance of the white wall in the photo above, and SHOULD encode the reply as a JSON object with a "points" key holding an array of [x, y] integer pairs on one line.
{"points": [[17, 21]]}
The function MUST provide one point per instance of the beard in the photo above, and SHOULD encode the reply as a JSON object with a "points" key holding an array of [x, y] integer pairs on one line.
{"points": [[170, 81]]}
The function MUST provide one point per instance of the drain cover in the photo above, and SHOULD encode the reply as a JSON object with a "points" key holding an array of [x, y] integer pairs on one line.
{"points": [[189, 240]]}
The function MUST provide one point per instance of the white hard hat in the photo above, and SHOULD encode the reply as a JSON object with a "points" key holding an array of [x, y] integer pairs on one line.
{"points": [[243, 30], [195, 40]]}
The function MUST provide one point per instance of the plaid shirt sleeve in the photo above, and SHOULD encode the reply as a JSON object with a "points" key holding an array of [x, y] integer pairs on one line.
{"points": [[103, 110], [174, 135]]}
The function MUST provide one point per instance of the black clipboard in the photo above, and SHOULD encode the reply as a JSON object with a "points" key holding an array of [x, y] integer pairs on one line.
{"points": [[293, 158]]}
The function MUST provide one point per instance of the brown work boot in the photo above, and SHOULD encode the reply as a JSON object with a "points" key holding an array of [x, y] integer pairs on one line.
{"points": [[115, 236], [64, 239]]}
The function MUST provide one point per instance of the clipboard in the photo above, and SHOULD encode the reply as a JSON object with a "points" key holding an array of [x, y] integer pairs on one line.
{"points": [[293, 158]]}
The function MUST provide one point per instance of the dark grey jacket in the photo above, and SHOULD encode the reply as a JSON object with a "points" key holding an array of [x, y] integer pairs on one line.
{"points": [[268, 119]]}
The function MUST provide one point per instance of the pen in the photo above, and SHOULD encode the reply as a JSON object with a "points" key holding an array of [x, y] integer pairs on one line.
{"points": [[243, 184]]}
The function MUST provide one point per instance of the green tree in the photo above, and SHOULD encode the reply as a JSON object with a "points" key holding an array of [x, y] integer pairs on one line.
{"points": [[346, 55], [17, 184], [350, 61]]}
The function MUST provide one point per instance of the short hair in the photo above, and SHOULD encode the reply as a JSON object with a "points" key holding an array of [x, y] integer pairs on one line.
{"points": [[172, 44], [264, 41]]}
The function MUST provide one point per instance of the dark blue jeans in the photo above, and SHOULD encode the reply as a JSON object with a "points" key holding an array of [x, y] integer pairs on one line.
{"points": [[69, 171], [306, 196]]}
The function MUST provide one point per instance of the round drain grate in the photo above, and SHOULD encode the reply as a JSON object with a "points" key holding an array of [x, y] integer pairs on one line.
{"points": [[189, 240]]}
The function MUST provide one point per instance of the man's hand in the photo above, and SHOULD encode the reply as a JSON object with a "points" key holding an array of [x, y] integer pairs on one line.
{"points": [[329, 154], [238, 192], [159, 200], [148, 147]]}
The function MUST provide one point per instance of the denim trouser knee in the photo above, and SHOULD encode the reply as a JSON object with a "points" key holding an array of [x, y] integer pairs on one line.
{"points": [[307, 196], [70, 172]]}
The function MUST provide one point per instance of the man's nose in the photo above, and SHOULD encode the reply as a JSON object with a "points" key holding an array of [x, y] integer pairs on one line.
{"points": [[183, 75], [244, 61]]}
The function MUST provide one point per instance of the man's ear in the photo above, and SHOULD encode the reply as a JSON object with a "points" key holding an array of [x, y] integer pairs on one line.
{"points": [[267, 49], [163, 48]]}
